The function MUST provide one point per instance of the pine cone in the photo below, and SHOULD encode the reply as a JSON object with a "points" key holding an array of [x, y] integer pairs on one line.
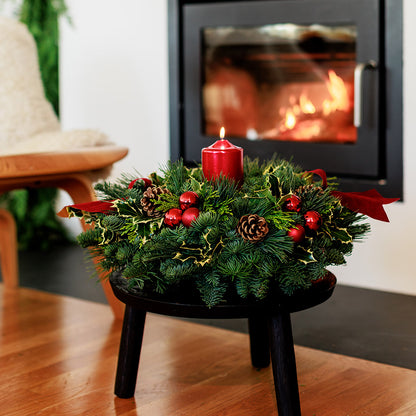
{"points": [[309, 188], [252, 228], [150, 195]]}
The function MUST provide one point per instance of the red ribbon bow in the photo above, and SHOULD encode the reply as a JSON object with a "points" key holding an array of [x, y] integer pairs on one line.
{"points": [[369, 203]]}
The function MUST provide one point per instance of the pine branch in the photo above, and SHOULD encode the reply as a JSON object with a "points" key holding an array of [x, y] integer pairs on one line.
{"points": [[175, 176], [89, 238], [166, 202], [211, 288], [107, 190]]}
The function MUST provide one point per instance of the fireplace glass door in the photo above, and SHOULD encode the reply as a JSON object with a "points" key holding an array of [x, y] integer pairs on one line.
{"points": [[299, 78], [282, 81]]}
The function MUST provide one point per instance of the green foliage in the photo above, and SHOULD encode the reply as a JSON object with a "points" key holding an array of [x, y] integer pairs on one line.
{"points": [[211, 288], [35, 216], [166, 202], [211, 257], [107, 190], [176, 175], [41, 18], [91, 237]]}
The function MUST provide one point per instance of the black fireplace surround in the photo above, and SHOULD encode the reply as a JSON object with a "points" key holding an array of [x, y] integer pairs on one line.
{"points": [[374, 160]]}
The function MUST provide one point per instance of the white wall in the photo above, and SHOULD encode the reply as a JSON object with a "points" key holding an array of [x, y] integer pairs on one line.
{"points": [[114, 77]]}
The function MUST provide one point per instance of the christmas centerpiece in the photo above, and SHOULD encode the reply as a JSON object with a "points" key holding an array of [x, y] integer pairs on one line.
{"points": [[274, 230]]}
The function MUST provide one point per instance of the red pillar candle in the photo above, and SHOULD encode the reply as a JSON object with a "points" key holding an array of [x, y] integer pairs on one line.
{"points": [[223, 158]]}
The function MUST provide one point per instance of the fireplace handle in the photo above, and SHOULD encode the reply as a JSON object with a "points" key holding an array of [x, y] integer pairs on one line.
{"points": [[358, 96]]}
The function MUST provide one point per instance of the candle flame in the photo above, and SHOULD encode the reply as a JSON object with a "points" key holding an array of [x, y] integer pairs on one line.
{"points": [[222, 132]]}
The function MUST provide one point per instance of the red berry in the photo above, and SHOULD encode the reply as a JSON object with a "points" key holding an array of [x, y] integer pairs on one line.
{"points": [[297, 233], [313, 220], [173, 217], [292, 203], [189, 215], [188, 199]]}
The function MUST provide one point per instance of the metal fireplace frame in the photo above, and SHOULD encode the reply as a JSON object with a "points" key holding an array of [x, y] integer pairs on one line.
{"points": [[386, 171]]}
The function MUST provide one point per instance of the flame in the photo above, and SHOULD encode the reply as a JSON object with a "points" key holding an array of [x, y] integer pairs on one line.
{"points": [[339, 95], [306, 104], [222, 132], [290, 120], [304, 118]]}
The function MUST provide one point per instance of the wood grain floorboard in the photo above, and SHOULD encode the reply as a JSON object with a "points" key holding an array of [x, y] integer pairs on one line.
{"points": [[58, 357]]}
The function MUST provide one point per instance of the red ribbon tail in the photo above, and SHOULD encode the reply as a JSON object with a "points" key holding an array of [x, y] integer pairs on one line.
{"points": [[369, 203], [93, 206]]}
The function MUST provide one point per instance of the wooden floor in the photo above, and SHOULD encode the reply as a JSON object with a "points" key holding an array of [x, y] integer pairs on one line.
{"points": [[58, 357]]}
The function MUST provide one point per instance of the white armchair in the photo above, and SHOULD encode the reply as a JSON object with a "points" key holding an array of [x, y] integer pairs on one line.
{"points": [[34, 152]]}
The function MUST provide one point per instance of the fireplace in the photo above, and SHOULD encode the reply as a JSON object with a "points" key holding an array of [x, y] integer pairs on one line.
{"points": [[318, 81]]}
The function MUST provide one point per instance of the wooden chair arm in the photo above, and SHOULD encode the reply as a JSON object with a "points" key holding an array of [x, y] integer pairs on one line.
{"points": [[55, 163]]}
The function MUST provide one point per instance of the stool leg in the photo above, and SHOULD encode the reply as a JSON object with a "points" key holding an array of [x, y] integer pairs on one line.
{"points": [[259, 341], [284, 364], [129, 353]]}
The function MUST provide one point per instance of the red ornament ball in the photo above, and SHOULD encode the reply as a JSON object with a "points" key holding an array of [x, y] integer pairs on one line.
{"points": [[292, 203], [189, 215], [145, 181], [188, 199], [173, 217], [313, 220], [297, 233]]}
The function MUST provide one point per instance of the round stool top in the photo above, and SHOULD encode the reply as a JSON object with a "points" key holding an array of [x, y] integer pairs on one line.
{"points": [[319, 292]]}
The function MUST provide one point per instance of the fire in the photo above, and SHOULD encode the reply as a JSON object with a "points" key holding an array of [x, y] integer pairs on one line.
{"points": [[306, 105], [339, 95], [290, 121], [305, 119]]}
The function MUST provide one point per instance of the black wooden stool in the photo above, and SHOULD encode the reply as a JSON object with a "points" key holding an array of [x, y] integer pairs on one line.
{"points": [[270, 333]]}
